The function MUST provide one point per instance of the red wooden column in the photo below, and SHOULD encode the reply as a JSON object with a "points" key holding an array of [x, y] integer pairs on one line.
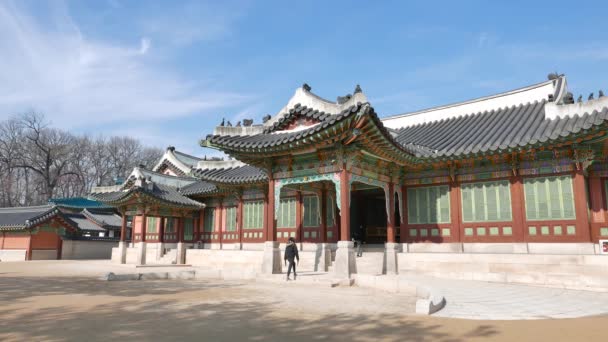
{"points": [[144, 222], [29, 248], [239, 218], [299, 218], [180, 229], [403, 226], [221, 221], [518, 208], [123, 228], [323, 200], [345, 206], [456, 232], [581, 207], [161, 229], [598, 206], [270, 230], [201, 224], [390, 219]]}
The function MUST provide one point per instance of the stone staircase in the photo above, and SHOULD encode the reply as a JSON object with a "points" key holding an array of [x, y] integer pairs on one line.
{"points": [[169, 257], [371, 262]]}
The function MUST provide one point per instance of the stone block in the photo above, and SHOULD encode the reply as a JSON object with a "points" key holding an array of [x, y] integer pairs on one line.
{"points": [[154, 276], [345, 263], [495, 248], [141, 253], [392, 249], [562, 248], [182, 275], [271, 263], [428, 247], [121, 277]]}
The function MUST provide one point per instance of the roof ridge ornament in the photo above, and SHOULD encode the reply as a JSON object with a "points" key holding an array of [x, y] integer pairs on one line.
{"points": [[358, 89], [306, 87]]}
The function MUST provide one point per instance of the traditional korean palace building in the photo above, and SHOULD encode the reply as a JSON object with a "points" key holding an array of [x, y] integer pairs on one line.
{"points": [[65, 228], [521, 173]]}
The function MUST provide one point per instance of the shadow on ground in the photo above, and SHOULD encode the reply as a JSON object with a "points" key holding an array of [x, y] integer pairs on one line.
{"points": [[90, 309]]}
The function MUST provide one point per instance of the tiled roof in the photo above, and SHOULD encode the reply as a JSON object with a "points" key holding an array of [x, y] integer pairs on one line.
{"points": [[340, 127], [302, 111], [504, 129], [76, 202], [186, 158], [247, 142], [106, 219], [158, 192], [198, 188], [82, 222], [234, 175], [26, 217]]}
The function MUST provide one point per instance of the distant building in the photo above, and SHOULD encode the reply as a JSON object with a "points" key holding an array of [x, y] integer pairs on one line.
{"points": [[40, 232]]}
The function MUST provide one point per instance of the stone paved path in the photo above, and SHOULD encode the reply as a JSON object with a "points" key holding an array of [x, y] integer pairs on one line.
{"points": [[494, 301]]}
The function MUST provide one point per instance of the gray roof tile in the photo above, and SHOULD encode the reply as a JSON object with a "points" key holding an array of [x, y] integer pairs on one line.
{"points": [[496, 130]]}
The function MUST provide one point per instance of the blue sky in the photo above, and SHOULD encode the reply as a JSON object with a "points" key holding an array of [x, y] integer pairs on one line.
{"points": [[168, 71]]}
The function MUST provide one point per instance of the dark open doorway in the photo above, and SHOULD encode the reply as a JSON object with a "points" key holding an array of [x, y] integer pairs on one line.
{"points": [[368, 215]]}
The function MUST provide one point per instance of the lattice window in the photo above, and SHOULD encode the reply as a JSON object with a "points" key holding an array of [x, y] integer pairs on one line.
{"points": [[486, 202], [209, 224], [428, 205], [330, 214], [231, 219], [549, 198], [151, 224], [253, 211], [188, 228], [170, 225], [287, 213], [311, 211]]}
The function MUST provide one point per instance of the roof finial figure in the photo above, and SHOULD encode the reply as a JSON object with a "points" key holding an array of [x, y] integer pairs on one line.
{"points": [[238, 123], [580, 99], [590, 97], [229, 123], [306, 87], [171, 148], [568, 98], [600, 94], [358, 89], [266, 118], [247, 122], [553, 76], [223, 122]]}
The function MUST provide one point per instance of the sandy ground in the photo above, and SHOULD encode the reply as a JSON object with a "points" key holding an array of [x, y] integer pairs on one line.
{"points": [[72, 304]]}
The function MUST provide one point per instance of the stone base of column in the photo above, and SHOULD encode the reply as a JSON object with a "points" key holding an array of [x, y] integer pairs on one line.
{"points": [[160, 250], [141, 253], [181, 253], [122, 252], [392, 249], [272, 258], [345, 263], [325, 257]]}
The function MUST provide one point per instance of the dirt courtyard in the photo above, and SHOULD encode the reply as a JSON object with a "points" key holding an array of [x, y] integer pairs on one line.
{"points": [[44, 301]]}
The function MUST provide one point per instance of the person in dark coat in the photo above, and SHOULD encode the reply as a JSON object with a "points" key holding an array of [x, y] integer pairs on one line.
{"points": [[291, 254]]}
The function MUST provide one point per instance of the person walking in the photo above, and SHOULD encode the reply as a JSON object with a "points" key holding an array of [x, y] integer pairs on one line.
{"points": [[291, 253]]}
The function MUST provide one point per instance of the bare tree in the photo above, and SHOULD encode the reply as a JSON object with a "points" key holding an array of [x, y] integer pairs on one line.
{"points": [[46, 151], [38, 162]]}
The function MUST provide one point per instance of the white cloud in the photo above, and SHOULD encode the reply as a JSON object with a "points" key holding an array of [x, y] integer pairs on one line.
{"points": [[144, 45], [78, 81]]}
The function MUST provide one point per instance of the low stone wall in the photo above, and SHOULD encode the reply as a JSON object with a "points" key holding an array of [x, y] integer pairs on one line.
{"points": [[12, 254], [44, 254], [244, 264], [82, 249], [583, 272], [504, 248]]}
